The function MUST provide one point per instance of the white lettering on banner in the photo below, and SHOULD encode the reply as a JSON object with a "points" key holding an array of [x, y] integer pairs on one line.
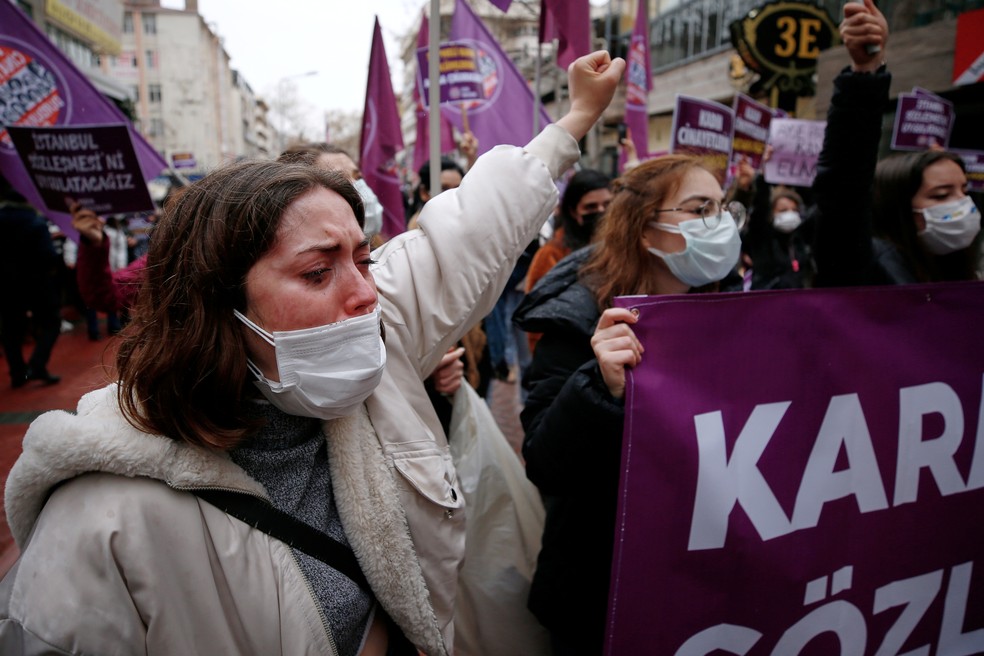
{"points": [[752, 129], [915, 453], [703, 139], [724, 482], [710, 120], [848, 623]]}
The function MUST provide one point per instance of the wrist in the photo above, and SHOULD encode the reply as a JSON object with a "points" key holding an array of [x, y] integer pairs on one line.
{"points": [[577, 122]]}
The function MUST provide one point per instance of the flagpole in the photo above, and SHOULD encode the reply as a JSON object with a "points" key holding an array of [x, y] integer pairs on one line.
{"points": [[434, 104]]}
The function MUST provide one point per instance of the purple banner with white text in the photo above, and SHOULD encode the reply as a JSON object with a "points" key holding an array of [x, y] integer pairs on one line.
{"points": [[706, 129], [41, 87], [93, 165], [922, 119], [803, 475], [974, 162], [459, 79], [752, 121]]}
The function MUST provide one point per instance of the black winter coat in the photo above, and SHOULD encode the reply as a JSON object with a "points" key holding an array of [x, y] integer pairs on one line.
{"points": [[572, 447]]}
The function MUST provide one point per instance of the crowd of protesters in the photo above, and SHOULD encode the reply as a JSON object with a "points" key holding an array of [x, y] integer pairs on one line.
{"points": [[275, 349]]}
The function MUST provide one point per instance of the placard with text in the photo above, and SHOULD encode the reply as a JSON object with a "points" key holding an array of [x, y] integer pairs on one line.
{"points": [[803, 475]]}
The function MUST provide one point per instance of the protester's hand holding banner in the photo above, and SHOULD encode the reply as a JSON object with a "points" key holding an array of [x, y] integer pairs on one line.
{"points": [[803, 474]]}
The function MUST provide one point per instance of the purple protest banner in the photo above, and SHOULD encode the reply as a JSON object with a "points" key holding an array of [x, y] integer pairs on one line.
{"points": [[638, 82], [974, 162], [706, 129], [382, 139], [802, 474], [421, 146], [506, 116], [40, 87], [460, 80], [796, 145], [94, 165], [752, 121], [922, 119]]}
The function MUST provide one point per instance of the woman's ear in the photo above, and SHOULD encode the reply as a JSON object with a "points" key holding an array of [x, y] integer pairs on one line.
{"points": [[648, 237]]}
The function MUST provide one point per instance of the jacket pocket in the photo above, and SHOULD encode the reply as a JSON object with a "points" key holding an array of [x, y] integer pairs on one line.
{"points": [[431, 475]]}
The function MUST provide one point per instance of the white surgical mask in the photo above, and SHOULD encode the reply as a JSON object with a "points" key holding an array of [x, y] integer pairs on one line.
{"points": [[326, 372], [710, 254], [786, 221], [373, 208], [950, 226]]}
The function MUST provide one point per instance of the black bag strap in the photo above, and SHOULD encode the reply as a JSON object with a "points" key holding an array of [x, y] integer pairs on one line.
{"points": [[264, 517]]}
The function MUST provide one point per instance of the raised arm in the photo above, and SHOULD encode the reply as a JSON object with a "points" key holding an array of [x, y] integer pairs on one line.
{"points": [[846, 168]]}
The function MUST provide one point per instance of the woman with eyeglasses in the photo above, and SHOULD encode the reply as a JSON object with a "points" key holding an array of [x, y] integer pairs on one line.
{"points": [[906, 220], [666, 231]]}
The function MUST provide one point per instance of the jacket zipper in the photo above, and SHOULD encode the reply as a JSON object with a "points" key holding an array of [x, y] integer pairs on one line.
{"points": [[307, 584]]}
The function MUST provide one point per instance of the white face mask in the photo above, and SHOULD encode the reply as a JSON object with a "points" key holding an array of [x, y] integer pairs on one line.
{"points": [[373, 208], [326, 372], [786, 221], [710, 254], [950, 226]]}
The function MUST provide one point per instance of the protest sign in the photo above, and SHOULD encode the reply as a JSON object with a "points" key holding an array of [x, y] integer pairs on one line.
{"points": [[974, 162], [460, 79], [95, 165], [796, 145], [706, 129], [922, 119], [39, 87], [802, 474], [752, 121]]}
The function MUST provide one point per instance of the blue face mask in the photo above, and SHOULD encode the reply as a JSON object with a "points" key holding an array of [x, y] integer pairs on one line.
{"points": [[710, 254]]}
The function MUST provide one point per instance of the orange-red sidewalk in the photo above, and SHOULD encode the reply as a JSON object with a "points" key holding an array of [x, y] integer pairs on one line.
{"points": [[80, 363]]}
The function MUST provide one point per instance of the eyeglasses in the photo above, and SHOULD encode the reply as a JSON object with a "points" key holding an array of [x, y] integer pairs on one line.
{"points": [[711, 212]]}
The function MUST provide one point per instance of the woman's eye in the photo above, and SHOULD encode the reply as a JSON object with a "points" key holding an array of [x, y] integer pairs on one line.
{"points": [[368, 262], [317, 274]]}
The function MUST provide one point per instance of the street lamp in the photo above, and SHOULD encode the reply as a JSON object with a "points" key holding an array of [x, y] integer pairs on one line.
{"points": [[282, 101]]}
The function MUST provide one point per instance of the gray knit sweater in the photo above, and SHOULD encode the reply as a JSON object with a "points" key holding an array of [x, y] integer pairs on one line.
{"points": [[290, 458]]}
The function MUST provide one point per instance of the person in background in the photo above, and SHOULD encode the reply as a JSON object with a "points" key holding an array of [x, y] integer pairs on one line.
{"points": [[451, 176], [254, 379], [918, 224], [778, 234], [333, 158], [29, 269], [584, 202], [667, 230]]}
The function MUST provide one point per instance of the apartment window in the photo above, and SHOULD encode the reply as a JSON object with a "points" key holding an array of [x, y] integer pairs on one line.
{"points": [[149, 23], [154, 93], [128, 23], [136, 92], [156, 127], [150, 57]]}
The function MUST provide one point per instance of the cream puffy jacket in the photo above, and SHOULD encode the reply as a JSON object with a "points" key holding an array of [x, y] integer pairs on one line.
{"points": [[114, 562]]}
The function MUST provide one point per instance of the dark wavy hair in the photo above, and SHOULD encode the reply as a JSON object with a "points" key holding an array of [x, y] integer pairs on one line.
{"points": [[897, 179], [182, 360], [620, 264]]}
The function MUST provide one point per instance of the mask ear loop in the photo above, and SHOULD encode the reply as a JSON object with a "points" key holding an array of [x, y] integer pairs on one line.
{"points": [[267, 337]]}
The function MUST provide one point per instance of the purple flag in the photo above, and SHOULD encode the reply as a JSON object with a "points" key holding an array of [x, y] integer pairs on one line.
{"points": [[506, 116], [568, 21], [502, 4], [810, 507], [639, 81], [41, 87], [382, 139], [421, 147]]}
